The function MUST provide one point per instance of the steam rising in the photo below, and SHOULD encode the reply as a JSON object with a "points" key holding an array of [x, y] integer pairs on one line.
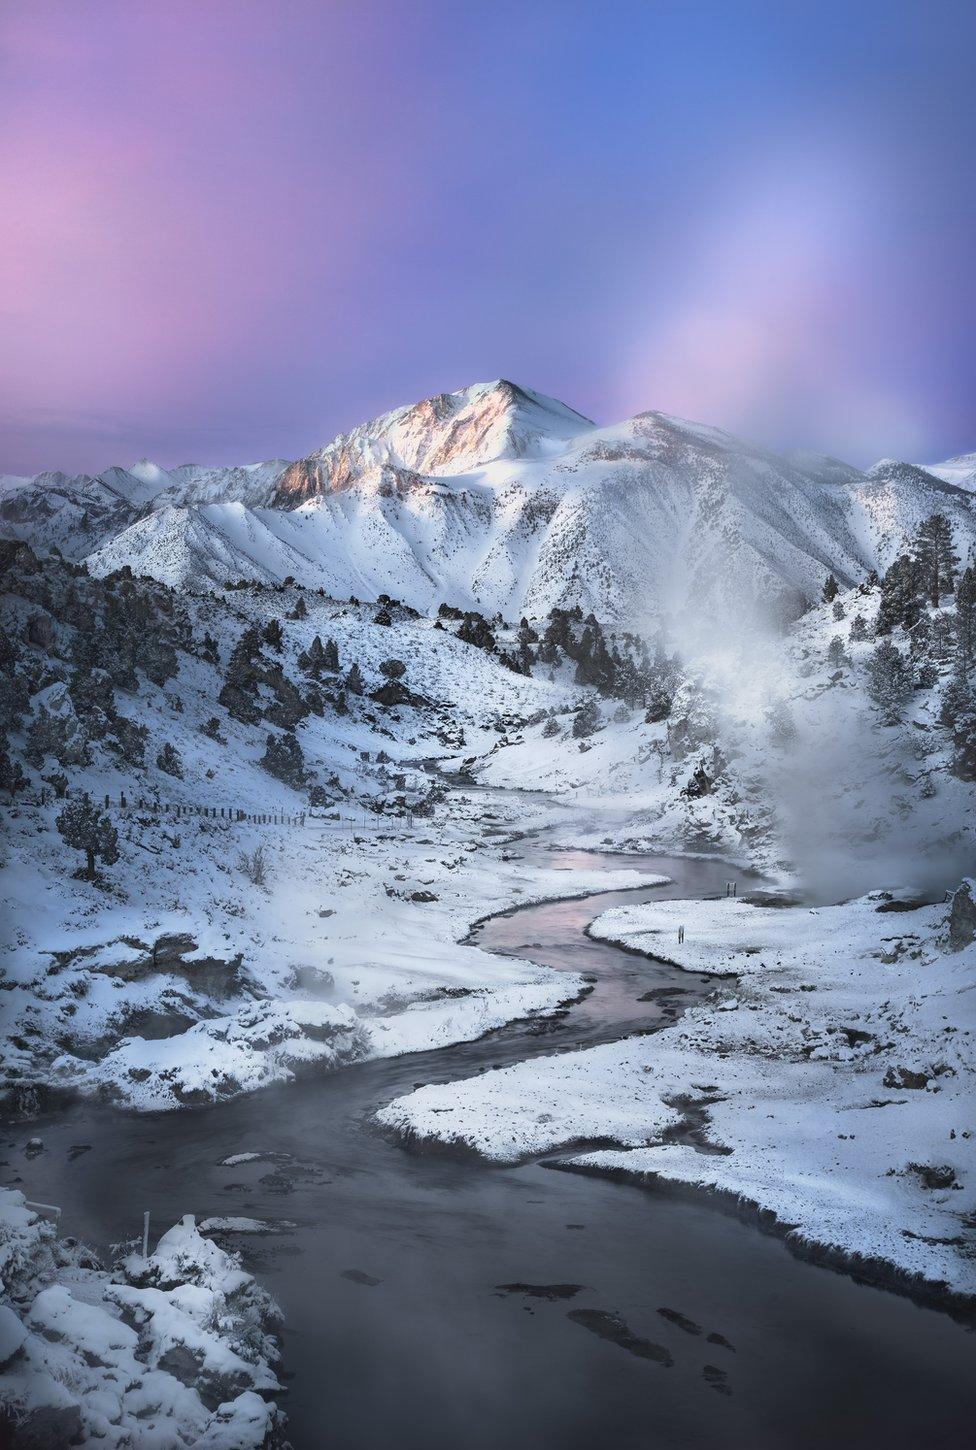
{"points": [[847, 791]]}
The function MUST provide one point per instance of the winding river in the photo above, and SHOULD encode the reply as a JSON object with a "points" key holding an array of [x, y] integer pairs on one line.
{"points": [[389, 1262]]}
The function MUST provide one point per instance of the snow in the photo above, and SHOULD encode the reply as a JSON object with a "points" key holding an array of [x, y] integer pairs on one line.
{"points": [[799, 1068], [960, 470], [174, 1350], [496, 498], [832, 1065]]}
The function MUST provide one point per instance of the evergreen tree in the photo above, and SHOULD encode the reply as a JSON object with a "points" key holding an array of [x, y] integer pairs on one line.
{"points": [[587, 720], [830, 589], [966, 616], [84, 829], [300, 610], [12, 777], [354, 680], [901, 591], [889, 681], [835, 653], [245, 673], [283, 758], [474, 630], [274, 635], [859, 628], [168, 760], [782, 726], [958, 715], [312, 660], [59, 735], [937, 560]]}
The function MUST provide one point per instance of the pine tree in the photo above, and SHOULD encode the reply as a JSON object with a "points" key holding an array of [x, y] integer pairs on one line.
{"points": [[354, 680], [859, 628], [312, 660], [283, 758], [782, 726], [966, 616], [835, 653], [958, 715], [830, 589], [901, 590], [169, 761], [84, 829], [937, 560], [12, 777], [587, 720], [274, 635], [889, 681]]}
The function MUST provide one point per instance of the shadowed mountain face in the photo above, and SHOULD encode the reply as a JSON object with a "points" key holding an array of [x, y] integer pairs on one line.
{"points": [[498, 498]]}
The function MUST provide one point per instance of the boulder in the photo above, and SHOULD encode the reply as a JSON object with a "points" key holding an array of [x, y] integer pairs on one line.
{"points": [[962, 917]]}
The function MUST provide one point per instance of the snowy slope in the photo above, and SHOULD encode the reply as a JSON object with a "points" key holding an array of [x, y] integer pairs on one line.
{"points": [[78, 513], [960, 470], [54, 510], [893, 499], [502, 500], [451, 433]]}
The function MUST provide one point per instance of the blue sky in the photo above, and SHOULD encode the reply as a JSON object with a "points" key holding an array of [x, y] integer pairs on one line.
{"points": [[237, 228]]}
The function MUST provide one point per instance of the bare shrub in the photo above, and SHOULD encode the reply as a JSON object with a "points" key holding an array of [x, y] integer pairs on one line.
{"points": [[254, 865]]}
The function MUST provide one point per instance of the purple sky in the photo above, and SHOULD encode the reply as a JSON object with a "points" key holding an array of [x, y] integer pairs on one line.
{"points": [[232, 228]]}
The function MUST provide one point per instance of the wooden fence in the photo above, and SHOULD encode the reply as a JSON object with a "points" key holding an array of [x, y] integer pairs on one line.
{"points": [[177, 811]]}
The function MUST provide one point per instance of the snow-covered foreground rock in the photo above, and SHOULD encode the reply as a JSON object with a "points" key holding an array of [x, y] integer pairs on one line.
{"points": [[174, 1350], [832, 1085]]}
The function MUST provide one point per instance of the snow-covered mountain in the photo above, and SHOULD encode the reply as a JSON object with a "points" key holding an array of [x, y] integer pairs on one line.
{"points": [[498, 498], [960, 470], [78, 513], [893, 498], [451, 434]]}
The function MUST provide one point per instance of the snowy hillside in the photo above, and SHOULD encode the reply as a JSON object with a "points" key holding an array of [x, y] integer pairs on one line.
{"points": [[891, 500], [500, 499], [960, 470], [78, 513]]}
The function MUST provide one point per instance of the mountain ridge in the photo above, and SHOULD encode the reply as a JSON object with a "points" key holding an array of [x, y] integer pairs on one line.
{"points": [[499, 498]]}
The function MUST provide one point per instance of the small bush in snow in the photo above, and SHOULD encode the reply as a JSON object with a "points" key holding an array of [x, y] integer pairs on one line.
{"points": [[169, 760], [254, 865], [284, 760]]}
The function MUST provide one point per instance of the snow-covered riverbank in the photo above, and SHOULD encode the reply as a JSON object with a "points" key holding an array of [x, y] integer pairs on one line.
{"points": [[834, 1081], [353, 951]]}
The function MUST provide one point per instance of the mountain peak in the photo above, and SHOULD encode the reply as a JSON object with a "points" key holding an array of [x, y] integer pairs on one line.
{"points": [[446, 434]]}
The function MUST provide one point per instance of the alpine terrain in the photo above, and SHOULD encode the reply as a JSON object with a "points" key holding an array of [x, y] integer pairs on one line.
{"points": [[300, 761]]}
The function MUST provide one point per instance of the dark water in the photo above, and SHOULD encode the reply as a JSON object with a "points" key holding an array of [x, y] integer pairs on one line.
{"points": [[432, 1356]]}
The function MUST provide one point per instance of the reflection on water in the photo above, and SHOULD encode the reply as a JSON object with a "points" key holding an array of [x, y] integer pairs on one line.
{"points": [[398, 1333]]}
